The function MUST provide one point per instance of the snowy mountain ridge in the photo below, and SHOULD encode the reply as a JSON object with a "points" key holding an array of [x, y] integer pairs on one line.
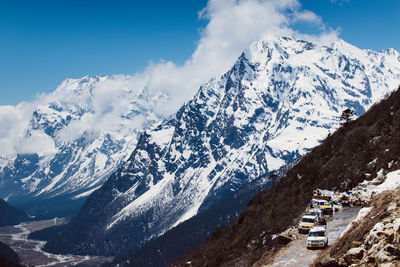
{"points": [[75, 137], [277, 102], [284, 135]]}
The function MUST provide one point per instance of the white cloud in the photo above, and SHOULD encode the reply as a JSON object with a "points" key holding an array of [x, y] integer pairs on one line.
{"points": [[36, 142], [232, 26]]}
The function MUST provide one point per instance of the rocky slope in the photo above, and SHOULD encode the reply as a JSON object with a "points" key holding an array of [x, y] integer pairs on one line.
{"points": [[362, 150], [69, 142], [276, 103], [373, 239], [8, 257], [11, 215]]}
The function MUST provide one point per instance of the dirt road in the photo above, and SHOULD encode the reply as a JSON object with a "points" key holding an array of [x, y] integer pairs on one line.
{"points": [[30, 251], [297, 254]]}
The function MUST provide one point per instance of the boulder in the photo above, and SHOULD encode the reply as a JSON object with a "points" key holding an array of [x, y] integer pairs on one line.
{"points": [[375, 234], [383, 256], [388, 264], [353, 255], [283, 239], [392, 206], [376, 247], [387, 233], [393, 251], [329, 262], [355, 244], [378, 227]]}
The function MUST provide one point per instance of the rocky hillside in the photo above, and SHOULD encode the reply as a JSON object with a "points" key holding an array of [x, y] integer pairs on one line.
{"points": [[11, 215], [8, 257], [276, 103], [372, 240], [358, 151]]}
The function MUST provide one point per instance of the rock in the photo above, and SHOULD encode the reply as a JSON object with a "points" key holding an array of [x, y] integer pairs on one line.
{"points": [[389, 225], [355, 244], [370, 260], [392, 250], [388, 264], [375, 234], [387, 233], [396, 230], [392, 206], [396, 225], [378, 227], [329, 262], [378, 180], [354, 254], [383, 256], [282, 239]]}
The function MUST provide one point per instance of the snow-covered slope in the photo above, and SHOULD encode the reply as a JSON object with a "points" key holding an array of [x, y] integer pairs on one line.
{"points": [[276, 103], [71, 140]]}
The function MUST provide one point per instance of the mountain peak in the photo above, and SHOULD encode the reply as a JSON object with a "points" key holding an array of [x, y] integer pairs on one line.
{"points": [[277, 102]]}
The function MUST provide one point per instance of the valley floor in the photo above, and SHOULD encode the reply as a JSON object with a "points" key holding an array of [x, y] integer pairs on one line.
{"points": [[30, 251], [296, 253]]}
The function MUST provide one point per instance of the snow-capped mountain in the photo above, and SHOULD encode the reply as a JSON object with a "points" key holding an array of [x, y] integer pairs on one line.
{"points": [[75, 137], [277, 102]]}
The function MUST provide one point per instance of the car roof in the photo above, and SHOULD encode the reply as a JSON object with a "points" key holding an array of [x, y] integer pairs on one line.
{"points": [[315, 210], [317, 229], [309, 216], [318, 200]]}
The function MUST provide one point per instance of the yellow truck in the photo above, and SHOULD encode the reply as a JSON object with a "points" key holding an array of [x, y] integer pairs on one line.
{"points": [[318, 193]]}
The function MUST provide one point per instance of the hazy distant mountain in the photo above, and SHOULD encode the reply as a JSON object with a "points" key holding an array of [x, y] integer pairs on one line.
{"points": [[11, 215], [85, 130]]}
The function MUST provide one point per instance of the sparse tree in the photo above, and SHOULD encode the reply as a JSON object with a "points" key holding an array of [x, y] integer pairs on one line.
{"points": [[347, 116]]}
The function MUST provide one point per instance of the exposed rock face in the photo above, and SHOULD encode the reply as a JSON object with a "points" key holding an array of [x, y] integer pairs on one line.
{"points": [[380, 245]]}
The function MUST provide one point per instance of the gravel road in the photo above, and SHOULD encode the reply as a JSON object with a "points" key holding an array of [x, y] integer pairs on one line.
{"points": [[297, 254]]}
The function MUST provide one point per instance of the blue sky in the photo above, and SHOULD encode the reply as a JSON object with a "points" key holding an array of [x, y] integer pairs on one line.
{"points": [[44, 42]]}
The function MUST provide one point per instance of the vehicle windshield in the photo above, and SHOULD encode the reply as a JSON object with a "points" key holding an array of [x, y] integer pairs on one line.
{"points": [[317, 233], [307, 220]]}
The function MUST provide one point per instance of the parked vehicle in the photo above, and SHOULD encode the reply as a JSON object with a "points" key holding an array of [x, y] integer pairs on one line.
{"points": [[318, 193], [314, 211], [325, 206], [317, 238], [307, 222]]}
